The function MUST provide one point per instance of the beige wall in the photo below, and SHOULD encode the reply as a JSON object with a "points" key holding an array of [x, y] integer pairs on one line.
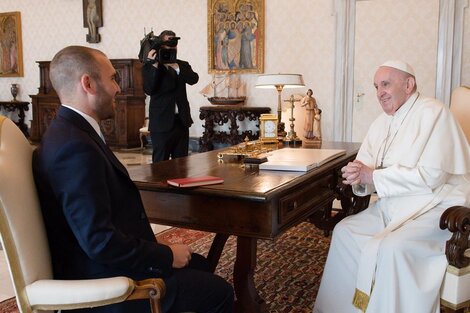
{"points": [[465, 78], [299, 39]]}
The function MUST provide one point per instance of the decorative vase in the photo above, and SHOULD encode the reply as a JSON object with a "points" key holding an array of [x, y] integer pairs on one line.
{"points": [[14, 91]]}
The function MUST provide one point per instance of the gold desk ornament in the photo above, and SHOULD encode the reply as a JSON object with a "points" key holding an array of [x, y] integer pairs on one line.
{"points": [[249, 151]]}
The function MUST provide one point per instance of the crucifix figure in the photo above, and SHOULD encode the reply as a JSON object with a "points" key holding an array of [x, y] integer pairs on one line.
{"points": [[291, 137], [92, 19]]}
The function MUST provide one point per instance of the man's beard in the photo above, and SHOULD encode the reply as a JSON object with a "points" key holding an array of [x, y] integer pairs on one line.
{"points": [[105, 105]]}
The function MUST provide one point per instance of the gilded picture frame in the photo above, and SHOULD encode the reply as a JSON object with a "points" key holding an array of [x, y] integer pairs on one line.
{"points": [[235, 36], [11, 60]]}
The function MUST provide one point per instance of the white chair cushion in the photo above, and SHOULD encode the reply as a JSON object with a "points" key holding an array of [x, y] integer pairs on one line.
{"points": [[460, 107], [63, 294]]}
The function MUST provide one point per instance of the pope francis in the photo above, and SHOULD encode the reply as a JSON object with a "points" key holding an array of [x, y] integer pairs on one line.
{"points": [[390, 258]]}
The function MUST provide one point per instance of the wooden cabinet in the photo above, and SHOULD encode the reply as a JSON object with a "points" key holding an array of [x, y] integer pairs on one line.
{"points": [[120, 132], [218, 115]]}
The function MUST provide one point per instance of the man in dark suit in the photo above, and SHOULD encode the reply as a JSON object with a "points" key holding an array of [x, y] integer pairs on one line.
{"points": [[94, 216], [169, 112]]}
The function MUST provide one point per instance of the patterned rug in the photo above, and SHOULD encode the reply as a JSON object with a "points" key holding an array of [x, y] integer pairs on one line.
{"points": [[8, 306], [288, 270]]}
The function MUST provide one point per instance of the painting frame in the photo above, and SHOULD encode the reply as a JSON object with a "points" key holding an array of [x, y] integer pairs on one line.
{"points": [[235, 36], [11, 62]]}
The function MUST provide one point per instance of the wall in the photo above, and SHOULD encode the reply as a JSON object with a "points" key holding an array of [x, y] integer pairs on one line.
{"points": [[299, 39], [465, 78], [416, 44]]}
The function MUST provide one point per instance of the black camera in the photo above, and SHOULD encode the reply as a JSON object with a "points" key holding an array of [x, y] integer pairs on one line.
{"points": [[164, 55]]}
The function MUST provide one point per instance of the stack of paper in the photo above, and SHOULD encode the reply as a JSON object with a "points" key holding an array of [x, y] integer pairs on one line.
{"points": [[299, 159]]}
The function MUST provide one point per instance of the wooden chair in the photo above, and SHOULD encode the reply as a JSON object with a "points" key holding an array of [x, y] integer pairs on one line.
{"points": [[455, 291], [144, 132], [26, 248]]}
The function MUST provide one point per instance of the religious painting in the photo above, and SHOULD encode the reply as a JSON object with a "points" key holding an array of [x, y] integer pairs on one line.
{"points": [[92, 19], [11, 53], [235, 36]]}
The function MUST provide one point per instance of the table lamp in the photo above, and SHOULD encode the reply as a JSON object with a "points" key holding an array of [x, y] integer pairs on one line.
{"points": [[280, 81]]}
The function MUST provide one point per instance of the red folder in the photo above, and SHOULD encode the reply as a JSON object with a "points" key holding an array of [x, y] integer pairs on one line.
{"points": [[195, 181]]}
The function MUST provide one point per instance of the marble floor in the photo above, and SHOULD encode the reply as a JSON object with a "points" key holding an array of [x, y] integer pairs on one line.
{"points": [[127, 157]]}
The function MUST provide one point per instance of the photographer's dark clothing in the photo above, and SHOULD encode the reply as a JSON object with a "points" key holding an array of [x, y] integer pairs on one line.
{"points": [[167, 91], [97, 226]]}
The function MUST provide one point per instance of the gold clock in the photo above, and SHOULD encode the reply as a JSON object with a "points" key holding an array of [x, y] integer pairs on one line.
{"points": [[268, 128]]}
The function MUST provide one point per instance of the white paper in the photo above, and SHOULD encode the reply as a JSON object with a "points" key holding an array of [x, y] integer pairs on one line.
{"points": [[299, 159]]}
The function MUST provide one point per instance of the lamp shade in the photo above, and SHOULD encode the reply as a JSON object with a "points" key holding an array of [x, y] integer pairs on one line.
{"points": [[282, 80]]}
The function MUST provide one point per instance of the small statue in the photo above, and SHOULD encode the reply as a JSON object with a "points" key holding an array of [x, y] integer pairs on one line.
{"points": [[312, 126], [93, 21]]}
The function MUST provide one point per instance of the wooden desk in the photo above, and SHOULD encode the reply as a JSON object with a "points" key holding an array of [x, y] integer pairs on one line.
{"points": [[21, 107], [250, 204], [222, 114]]}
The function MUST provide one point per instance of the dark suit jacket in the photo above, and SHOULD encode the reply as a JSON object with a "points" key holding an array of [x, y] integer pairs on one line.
{"points": [[94, 217], [166, 88]]}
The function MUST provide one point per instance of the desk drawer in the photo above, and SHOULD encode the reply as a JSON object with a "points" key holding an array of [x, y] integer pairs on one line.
{"points": [[303, 199]]}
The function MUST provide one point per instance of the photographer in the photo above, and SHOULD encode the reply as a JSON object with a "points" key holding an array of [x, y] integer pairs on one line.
{"points": [[165, 79]]}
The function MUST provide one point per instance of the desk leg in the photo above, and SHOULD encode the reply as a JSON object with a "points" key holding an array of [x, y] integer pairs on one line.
{"points": [[216, 250], [248, 299]]}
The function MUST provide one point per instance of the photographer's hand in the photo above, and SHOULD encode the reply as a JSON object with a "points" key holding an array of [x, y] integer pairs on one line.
{"points": [[151, 56], [175, 66]]}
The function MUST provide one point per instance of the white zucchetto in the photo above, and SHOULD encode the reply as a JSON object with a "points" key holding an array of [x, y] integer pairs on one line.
{"points": [[400, 65]]}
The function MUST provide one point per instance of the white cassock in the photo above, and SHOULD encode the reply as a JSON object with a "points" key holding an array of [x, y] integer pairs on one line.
{"points": [[390, 258]]}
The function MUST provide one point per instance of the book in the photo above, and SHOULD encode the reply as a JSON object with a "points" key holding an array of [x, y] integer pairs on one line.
{"points": [[299, 159], [195, 181]]}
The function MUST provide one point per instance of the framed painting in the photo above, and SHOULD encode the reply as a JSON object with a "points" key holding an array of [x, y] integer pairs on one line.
{"points": [[11, 56], [235, 36]]}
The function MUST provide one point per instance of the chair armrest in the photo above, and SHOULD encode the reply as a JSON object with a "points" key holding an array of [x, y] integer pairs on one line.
{"points": [[74, 294], [457, 220]]}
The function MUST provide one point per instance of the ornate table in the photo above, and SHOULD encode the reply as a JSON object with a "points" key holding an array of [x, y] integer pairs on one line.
{"points": [[222, 114], [21, 107]]}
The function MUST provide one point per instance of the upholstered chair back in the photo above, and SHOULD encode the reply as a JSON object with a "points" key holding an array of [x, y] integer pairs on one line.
{"points": [[460, 107], [22, 229]]}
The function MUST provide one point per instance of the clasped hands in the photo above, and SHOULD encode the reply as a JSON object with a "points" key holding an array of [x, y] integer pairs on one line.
{"points": [[356, 172]]}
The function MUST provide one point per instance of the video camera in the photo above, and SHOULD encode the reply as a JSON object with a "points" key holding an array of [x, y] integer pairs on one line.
{"points": [[164, 55]]}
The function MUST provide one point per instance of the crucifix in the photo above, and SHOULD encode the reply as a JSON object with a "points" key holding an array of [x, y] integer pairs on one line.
{"points": [[92, 19], [291, 137]]}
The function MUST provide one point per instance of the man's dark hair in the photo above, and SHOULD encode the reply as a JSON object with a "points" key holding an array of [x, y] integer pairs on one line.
{"points": [[167, 33]]}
